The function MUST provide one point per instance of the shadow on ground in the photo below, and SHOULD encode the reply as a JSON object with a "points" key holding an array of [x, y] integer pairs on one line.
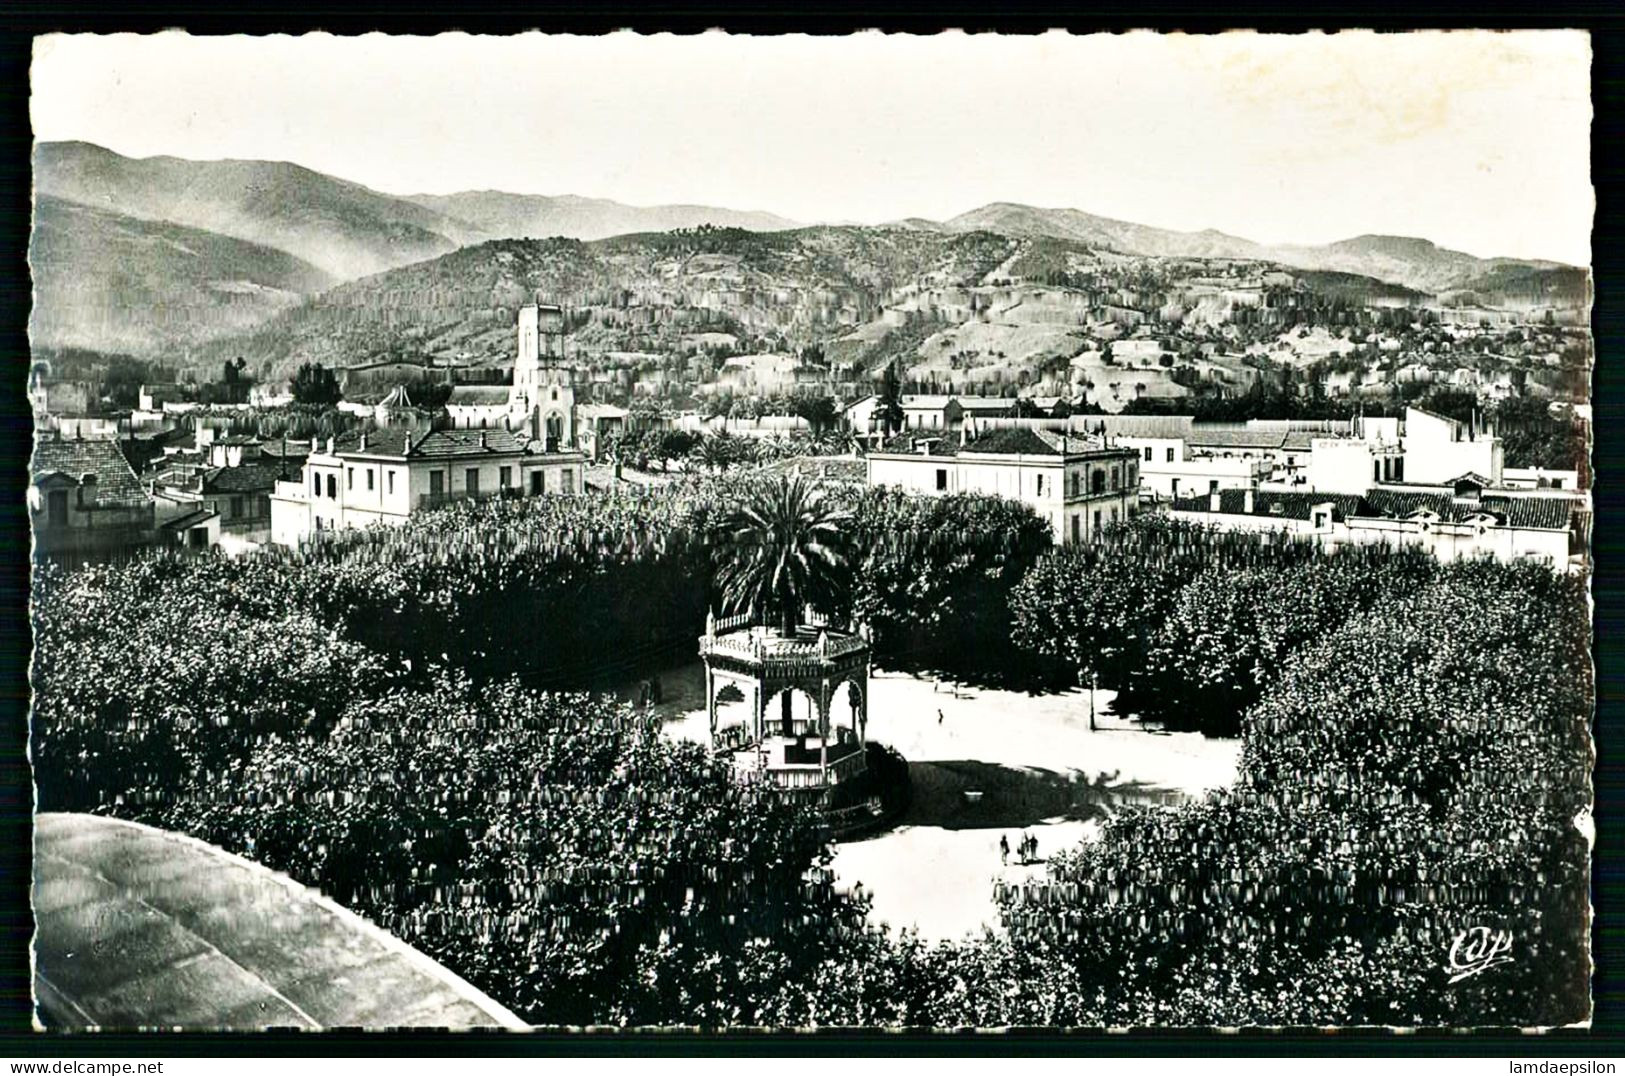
{"points": [[1015, 797], [1023, 678]]}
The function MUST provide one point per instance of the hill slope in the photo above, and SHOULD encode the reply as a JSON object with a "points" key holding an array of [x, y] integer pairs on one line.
{"points": [[1008, 218], [343, 228], [110, 282], [637, 292], [1412, 263], [499, 215]]}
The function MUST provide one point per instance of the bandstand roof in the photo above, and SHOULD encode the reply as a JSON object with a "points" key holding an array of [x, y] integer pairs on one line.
{"points": [[811, 651]]}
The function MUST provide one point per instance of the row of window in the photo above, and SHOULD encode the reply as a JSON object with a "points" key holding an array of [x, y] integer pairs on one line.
{"points": [[248, 507], [349, 482], [437, 481], [1097, 481], [1100, 521]]}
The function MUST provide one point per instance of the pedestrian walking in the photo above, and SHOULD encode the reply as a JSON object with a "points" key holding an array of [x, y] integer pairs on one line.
{"points": [[939, 717], [1004, 849]]}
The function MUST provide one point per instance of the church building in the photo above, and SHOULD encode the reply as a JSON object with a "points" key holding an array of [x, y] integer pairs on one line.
{"points": [[540, 403]]}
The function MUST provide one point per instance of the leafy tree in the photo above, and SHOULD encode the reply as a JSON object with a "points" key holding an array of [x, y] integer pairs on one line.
{"points": [[891, 399], [121, 385], [1412, 773], [818, 410], [316, 384]]}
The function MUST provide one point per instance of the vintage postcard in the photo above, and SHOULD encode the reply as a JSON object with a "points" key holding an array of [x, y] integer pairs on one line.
{"points": [[883, 531]]}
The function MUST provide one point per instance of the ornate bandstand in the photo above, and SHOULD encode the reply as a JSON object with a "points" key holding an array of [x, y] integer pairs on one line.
{"points": [[800, 701]]}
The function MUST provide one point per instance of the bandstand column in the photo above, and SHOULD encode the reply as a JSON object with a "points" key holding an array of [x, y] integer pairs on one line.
{"points": [[711, 703], [823, 732], [758, 708], [863, 710]]}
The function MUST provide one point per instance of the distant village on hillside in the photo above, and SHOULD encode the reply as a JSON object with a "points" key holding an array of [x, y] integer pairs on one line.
{"points": [[1352, 452]]}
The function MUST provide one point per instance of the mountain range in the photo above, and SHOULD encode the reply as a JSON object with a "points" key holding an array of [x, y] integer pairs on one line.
{"points": [[209, 248], [1413, 263]]}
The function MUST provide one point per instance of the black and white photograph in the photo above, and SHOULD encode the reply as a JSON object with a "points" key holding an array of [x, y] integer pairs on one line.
{"points": [[879, 531]]}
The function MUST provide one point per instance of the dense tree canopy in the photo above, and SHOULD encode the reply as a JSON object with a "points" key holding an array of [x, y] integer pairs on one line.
{"points": [[1416, 756]]}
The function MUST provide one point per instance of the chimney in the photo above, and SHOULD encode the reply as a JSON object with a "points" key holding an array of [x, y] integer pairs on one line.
{"points": [[332, 443], [1213, 501], [315, 446], [363, 440], [1247, 501], [482, 439]]}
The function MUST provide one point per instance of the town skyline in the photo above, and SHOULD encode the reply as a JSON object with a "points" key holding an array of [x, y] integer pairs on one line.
{"points": [[870, 129]]}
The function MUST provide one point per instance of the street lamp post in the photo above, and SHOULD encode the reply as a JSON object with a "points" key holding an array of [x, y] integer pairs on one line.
{"points": [[1094, 685]]}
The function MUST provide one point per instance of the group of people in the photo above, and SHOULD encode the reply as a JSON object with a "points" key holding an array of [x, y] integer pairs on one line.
{"points": [[1027, 849]]}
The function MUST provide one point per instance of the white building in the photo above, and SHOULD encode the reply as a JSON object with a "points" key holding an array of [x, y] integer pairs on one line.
{"points": [[1437, 449], [1080, 486], [385, 476], [1167, 467], [1540, 478], [1454, 521]]}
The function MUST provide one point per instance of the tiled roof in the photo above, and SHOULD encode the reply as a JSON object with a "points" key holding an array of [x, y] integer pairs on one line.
{"points": [[1164, 426], [190, 519], [1283, 505], [296, 448], [1026, 442], [1302, 440], [1204, 438], [436, 444], [1552, 513], [116, 484], [1031, 442], [248, 478], [908, 441], [139, 927], [1549, 512]]}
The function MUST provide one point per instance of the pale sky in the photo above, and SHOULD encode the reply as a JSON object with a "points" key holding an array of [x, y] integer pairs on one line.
{"points": [[1478, 141]]}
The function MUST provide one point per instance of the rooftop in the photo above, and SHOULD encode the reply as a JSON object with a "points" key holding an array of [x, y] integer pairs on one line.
{"points": [[1026, 441], [142, 928], [1233, 438], [247, 478], [1171, 427], [116, 484], [190, 519], [1551, 512], [431, 444], [765, 646]]}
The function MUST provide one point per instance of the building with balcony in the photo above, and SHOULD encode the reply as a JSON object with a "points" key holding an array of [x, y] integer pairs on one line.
{"points": [[385, 476], [1079, 485]]}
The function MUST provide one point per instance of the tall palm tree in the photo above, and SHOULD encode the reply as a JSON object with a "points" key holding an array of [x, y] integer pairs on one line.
{"points": [[782, 547]]}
